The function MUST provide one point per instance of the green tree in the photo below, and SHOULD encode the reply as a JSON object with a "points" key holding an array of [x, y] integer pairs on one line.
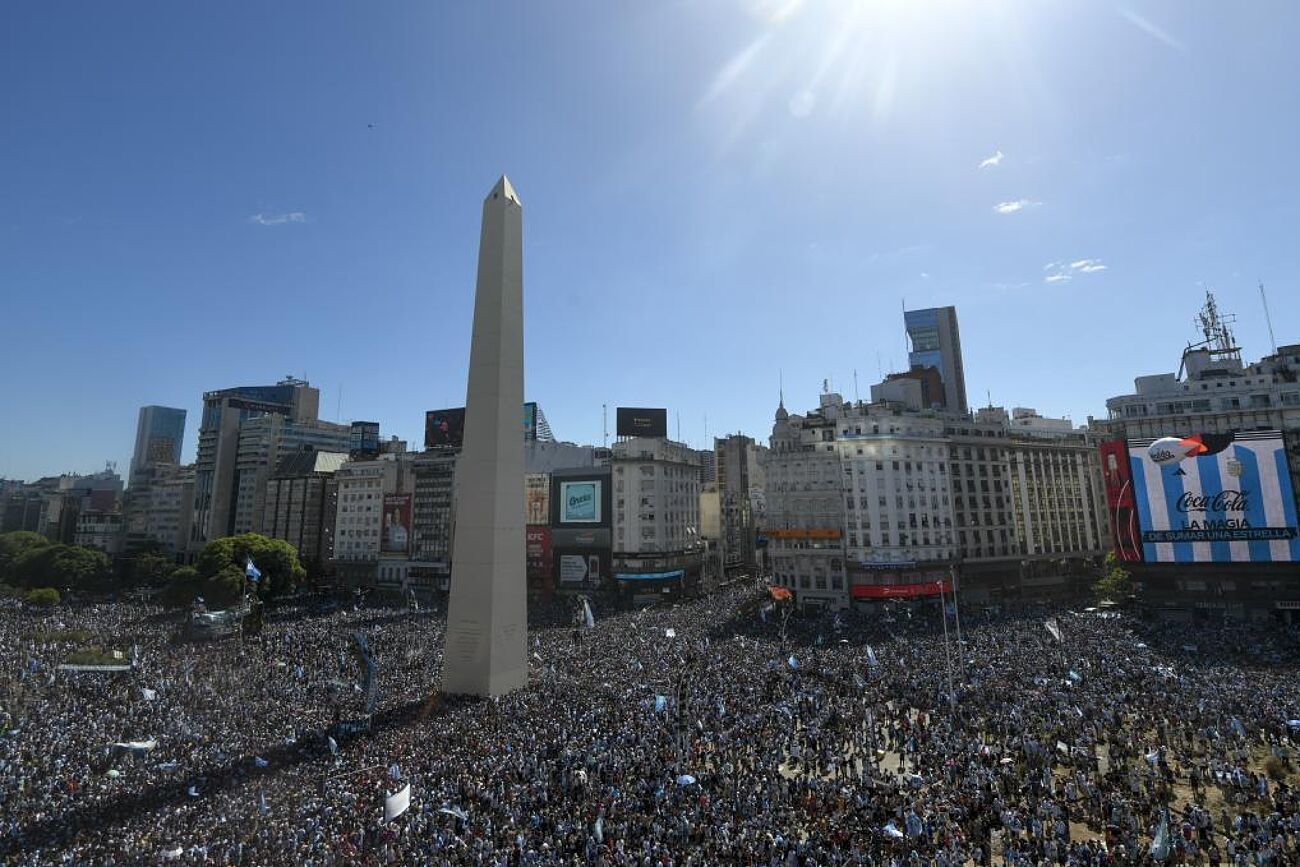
{"points": [[276, 559], [183, 585], [62, 566], [14, 545], [148, 568], [224, 589], [44, 597], [1115, 583]]}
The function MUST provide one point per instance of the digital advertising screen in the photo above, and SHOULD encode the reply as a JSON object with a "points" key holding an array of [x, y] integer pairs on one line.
{"points": [[580, 502], [537, 551], [631, 421], [1214, 498], [444, 428], [396, 539]]}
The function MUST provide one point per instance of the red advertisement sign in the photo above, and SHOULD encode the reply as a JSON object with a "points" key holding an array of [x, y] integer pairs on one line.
{"points": [[900, 591], [537, 551], [1118, 479]]}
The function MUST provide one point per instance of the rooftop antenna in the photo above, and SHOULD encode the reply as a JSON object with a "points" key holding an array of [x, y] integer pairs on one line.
{"points": [[1267, 318], [604, 424], [780, 380], [856, 398], [679, 425]]}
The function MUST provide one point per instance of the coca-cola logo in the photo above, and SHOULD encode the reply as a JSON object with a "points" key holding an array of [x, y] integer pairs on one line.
{"points": [[1223, 501]]}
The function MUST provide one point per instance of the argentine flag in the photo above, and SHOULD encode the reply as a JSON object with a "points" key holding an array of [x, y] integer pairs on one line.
{"points": [[252, 571]]}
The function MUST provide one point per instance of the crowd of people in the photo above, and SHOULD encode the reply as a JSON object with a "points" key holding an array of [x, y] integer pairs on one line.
{"points": [[715, 731]]}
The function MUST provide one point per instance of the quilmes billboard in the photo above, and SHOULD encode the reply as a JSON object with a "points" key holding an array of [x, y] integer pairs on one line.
{"points": [[1214, 498], [631, 421]]}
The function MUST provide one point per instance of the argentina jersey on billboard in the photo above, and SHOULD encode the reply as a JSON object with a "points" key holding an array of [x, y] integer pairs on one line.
{"points": [[1215, 498]]}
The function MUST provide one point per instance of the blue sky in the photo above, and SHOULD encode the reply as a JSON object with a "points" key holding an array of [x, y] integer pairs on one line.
{"points": [[715, 195]]}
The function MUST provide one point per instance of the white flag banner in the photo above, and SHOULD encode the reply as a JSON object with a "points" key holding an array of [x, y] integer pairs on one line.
{"points": [[149, 694], [1054, 628], [397, 803]]}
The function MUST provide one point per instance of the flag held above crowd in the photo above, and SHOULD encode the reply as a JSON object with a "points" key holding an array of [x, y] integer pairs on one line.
{"points": [[397, 803]]}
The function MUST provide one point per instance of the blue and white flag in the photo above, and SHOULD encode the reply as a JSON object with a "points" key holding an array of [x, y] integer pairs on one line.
{"points": [[251, 571], [871, 658], [794, 663], [261, 802], [260, 762], [397, 803], [661, 703], [587, 619], [599, 830], [891, 830], [1160, 843]]}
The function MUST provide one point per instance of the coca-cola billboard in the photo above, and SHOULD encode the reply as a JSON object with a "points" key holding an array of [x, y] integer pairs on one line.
{"points": [[1225, 498], [1118, 480]]}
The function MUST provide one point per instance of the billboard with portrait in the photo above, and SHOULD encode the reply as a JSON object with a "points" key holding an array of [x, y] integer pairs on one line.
{"points": [[444, 428], [580, 501], [632, 421], [537, 498], [395, 540], [1214, 498]]}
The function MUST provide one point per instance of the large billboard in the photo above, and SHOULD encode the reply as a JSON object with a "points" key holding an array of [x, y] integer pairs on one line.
{"points": [[444, 427], [631, 421], [1118, 481], [581, 567], [537, 552], [580, 501], [1214, 498], [396, 538], [537, 498], [530, 420]]}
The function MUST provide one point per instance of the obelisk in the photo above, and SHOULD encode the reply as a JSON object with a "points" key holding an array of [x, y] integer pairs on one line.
{"points": [[487, 615]]}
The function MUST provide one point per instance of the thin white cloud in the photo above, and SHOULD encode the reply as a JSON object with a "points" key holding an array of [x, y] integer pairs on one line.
{"points": [[278, 219], [1013, 207], [992, 161], [1058, 277], [1052, 266], [1088, 266], [1151, 30]]}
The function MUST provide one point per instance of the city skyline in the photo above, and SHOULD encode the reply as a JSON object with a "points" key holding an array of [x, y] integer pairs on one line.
{"points": [[216, 216]]}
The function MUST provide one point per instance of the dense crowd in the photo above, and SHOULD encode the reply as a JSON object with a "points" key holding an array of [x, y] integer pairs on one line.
{"points": [[710, 732]]}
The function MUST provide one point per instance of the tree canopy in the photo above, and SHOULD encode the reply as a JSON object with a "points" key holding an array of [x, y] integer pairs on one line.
{"points": [[14, 545], [276, 559], [1116, 583], [60, 566]]}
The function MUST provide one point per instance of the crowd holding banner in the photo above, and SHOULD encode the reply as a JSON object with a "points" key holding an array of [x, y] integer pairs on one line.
{"points": [[687, 735]]}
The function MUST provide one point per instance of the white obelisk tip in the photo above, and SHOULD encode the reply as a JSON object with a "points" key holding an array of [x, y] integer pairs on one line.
{"points": [[503, 190]]}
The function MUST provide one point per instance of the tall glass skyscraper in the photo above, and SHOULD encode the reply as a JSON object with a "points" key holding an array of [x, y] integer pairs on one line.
{"points": [[159, 435], [936, 342]]}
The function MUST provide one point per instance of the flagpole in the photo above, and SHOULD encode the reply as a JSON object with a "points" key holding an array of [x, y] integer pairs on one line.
{"points": [[956, 606], [947, 651]]}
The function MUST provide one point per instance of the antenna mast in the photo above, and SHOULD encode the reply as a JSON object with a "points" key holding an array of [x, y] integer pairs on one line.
{"points": [[604, 424], [1267, 318]]}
